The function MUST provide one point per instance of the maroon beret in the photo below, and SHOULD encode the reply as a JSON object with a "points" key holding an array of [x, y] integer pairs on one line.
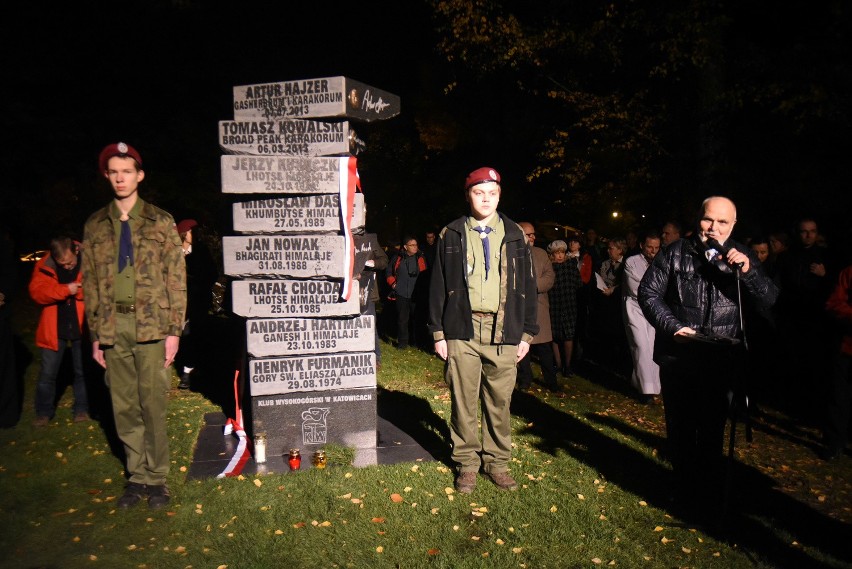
{"points": [[185, 225], [480, 176], [118, 149]]}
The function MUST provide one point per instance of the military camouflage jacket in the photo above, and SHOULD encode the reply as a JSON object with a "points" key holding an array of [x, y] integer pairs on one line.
{"points": [[160, 276]]}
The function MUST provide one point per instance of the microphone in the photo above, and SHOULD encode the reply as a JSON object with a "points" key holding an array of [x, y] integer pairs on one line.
{"points": [[723, 250]]}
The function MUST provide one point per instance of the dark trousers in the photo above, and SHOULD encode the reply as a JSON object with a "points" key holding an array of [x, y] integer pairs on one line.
{"points": [[10, 402], [695, 397], [51, 360], [836, 432], [405, 331], [544, 353]]}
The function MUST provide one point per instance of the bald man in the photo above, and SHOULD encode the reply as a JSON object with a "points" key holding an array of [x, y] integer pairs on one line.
{"points": [[690, 295]]}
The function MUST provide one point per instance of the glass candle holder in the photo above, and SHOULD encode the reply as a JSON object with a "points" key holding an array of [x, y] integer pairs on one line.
{"points": [[319, 460], [295, 459], [260, 448]]}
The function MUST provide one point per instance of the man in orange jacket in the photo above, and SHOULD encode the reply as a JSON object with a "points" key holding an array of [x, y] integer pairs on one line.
{"points": [[56, 286]]}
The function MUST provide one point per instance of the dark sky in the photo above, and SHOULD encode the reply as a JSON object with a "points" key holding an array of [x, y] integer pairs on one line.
{"points": [[159, 75]]}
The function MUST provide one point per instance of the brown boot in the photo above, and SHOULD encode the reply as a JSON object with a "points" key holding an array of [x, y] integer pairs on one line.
{"points": [[466, 482], [503, 480]]}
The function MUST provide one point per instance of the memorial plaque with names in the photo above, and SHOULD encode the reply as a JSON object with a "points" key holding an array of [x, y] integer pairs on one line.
{"points": [[272, 298], [303, 214], [308, 421], [298, 256], [288, 138], [284, 336], [314, 98], [283, 174], [274, 376]]}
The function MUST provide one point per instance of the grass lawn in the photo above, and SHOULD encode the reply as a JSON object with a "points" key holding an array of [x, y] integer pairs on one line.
{"points": [[594, 492]]}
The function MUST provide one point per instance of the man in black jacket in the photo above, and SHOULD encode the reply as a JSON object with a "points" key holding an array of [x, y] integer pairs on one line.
{"points": [[691, 295], [482, 316]]}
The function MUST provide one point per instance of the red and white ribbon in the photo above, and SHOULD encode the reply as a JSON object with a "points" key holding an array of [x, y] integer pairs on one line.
{"points": [[235, 426]]}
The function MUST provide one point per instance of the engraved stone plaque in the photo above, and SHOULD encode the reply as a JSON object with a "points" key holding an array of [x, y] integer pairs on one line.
{"points": [[302, 214], [274, 376], [299, 256], [314, 98], [273, 297], [286, 336]]}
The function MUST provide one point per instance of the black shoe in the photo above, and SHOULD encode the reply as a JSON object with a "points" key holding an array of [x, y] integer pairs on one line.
{"points": [[132, 494], [184, 381], [158, 496]]}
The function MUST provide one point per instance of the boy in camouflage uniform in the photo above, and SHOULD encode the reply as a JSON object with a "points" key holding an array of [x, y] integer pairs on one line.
{"points": [[134, 282]]}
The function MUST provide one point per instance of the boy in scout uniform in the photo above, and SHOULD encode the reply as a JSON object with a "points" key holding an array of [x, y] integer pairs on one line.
{"points": [[482, 316], [134, 282]]}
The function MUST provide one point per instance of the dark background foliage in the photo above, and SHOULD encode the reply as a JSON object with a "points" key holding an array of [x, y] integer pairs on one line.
{"points": [[585, 108]]}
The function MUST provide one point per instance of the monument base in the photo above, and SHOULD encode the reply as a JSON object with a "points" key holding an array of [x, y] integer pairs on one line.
{"points": [[310, 420]]}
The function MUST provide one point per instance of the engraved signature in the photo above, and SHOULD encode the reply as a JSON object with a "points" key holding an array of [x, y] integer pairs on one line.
{"points": [[369, 105]]}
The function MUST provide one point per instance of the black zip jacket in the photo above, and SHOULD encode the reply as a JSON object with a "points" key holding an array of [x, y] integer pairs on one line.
{"points": [[449, 303], [682, 288]]}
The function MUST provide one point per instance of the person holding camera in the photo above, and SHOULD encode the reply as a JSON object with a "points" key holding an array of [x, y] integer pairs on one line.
{"points": [[403, 272]]}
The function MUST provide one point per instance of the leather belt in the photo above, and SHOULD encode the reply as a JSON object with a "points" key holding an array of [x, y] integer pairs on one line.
{"points": [[125, 308], [483, 314]]}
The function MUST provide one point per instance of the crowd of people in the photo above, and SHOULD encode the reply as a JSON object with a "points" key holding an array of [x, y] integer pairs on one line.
{"points": [[691, 318]]}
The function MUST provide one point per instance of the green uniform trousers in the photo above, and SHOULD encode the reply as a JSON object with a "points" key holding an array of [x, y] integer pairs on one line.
{"points": [[478, 370], [139, 386]]}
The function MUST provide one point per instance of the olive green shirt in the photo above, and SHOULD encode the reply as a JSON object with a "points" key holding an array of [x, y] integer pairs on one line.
{"points": [[484, 292], [125, 281]]}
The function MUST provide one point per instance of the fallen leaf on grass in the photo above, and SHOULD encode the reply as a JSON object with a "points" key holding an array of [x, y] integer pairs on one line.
{"points": [[257, 482], [180, 549], [666, 540], [298, 525], [580, 497], [380, 549], [396, 498], [643, 503], [278, 532], [378, 520], [553, 509], [434, 551], [517, 549], [596, 560], [499, 541], [658, 528], [686, 550], [355, 500]]}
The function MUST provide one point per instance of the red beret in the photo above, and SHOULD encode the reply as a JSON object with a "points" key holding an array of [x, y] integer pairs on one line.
{"points": [[185, 225], [118, 149], [480, 176]]}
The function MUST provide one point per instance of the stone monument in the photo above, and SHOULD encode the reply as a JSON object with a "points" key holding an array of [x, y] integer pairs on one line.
{"points": [[311, 369]]}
